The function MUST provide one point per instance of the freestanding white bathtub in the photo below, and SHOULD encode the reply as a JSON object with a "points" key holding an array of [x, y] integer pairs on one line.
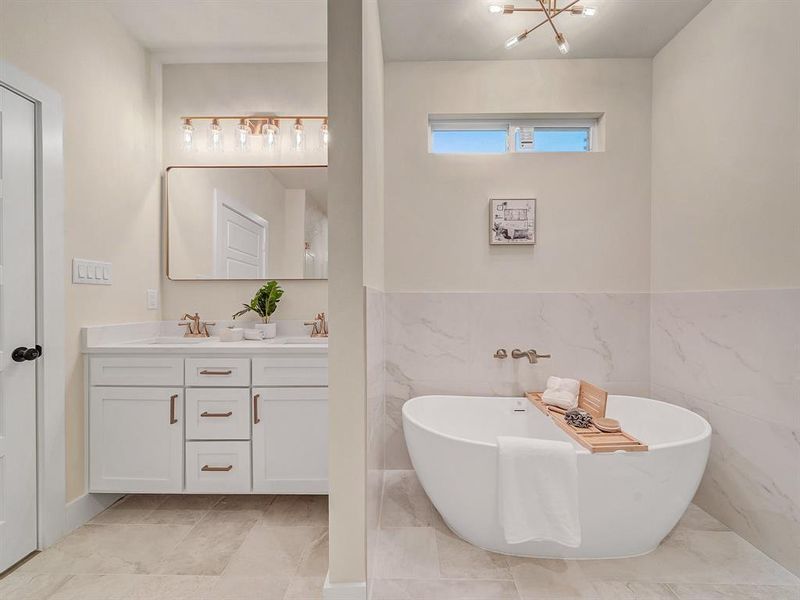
{"points": [[629, 501]]}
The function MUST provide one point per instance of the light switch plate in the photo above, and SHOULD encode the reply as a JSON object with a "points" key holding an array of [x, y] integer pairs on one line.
{"points": [[92, 272], [152, 299]]}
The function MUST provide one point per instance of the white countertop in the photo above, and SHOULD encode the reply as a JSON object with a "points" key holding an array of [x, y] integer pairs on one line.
{"points": [[149, 338]]}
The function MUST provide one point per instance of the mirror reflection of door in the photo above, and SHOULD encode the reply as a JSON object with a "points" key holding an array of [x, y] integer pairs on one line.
{"points": [[247, 222], [241, 241]]}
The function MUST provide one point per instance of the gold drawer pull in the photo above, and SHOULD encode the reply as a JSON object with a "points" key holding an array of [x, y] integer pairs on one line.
{"points": [[225, 469], [172, 418], [207, 372], [256, 418], [205, 413]]}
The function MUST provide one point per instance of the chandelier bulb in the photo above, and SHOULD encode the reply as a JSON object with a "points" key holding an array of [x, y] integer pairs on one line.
{"points": [[513, 41], [324, 134], [563, 44], [242, 135], [298, 135]]}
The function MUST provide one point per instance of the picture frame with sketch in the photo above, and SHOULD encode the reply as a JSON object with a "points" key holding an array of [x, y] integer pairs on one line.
{"points": [[512, 221]]}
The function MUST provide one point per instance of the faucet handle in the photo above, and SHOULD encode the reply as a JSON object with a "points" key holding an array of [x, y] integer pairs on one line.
{"points": [[501, 353]]}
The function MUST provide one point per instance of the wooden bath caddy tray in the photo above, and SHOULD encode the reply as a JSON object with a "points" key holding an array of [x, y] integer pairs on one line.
{"points": [[593, 400]]}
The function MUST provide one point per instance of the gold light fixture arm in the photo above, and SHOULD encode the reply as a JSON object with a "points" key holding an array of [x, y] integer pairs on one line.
{"points": [[549, 18]]}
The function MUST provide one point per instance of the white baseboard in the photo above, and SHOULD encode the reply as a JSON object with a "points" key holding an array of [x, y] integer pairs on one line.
{"points": [[84, 508], [344, 591]]}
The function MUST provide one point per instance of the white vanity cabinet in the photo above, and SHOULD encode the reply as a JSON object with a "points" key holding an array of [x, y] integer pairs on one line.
{"points": [[136, 439], [186, 421], [290, 440]]}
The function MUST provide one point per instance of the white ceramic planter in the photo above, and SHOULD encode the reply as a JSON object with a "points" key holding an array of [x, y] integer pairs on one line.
{"points": [[268, 330]]}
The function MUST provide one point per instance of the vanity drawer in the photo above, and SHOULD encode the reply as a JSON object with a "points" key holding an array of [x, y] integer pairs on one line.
{"points": [[135, 370], [217, 414], [218, 467], [218, 372], [291, 370]]}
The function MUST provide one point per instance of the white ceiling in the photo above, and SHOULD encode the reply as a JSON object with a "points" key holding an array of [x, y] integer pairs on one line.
{"points": [[228, 30], [464, 29]]}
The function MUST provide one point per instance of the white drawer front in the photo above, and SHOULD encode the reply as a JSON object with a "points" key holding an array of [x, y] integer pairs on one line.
{"points": [[291, 370], [217, 414], [135, 370], [218, 372], [218, 467]]}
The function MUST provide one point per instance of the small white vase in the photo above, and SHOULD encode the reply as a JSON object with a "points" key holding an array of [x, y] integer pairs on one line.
{"points": [[268, 330]]}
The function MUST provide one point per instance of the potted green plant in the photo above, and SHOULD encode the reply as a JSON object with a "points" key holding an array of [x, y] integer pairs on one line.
{"points": [[264, 304]]}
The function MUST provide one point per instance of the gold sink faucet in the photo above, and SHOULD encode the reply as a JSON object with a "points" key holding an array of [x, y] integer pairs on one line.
{"points": [[319, 326], [194, 326]]}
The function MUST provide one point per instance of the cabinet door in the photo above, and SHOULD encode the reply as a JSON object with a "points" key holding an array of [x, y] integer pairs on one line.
{"points": [[290, 440], [135, 439]]}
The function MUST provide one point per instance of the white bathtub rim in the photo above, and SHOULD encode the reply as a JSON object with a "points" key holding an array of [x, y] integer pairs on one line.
{"points": [[706, 433]]}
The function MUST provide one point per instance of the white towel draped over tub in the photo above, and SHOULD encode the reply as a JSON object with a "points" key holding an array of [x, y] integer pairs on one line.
{"points": [[538, 491]]}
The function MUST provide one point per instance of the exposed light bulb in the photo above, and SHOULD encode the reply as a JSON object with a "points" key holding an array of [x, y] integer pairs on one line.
{"points": [[271, 134], [187, 130], [298, 135], [563, 44], [242, 135], [215, 137], [511, 42], [324, 134], [589, 11], [496, 9]]}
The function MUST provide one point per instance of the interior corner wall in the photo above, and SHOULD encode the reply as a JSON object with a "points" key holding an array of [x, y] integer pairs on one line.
{"points": [[373, 143], [347, 362], [111, 210], [725, 332]]}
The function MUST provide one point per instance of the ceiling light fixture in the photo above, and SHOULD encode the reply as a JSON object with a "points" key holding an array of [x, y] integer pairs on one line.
{"points": [[550, 10]]}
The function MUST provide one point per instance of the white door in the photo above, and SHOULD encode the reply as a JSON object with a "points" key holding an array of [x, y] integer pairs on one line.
{"points": [[136, 440], [17, 329], [290, 440], [241, 241]]}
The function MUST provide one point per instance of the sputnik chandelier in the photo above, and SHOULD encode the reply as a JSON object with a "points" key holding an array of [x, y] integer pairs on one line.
{"points": [[550, 10], [255, 132]]}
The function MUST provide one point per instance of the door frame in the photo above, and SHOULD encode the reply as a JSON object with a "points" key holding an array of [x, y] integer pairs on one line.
{"points": [[50, 315]]}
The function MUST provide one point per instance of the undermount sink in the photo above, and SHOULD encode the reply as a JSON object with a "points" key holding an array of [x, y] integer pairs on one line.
{"points": [[302, 340], [180, 340]]}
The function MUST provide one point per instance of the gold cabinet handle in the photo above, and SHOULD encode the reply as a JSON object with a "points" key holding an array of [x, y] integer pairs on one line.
{"points": [[172, 418], [223, 469], [256, 419], [207, 372], [205, 413]]}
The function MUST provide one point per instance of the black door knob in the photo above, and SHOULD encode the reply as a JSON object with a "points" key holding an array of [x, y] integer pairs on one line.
{"points": [[22, 353]]}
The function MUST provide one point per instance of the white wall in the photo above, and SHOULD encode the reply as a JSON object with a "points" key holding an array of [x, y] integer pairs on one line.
{"points": [[234, 89], [111, 174], [593, 210], [726, 107], [726, 209]]}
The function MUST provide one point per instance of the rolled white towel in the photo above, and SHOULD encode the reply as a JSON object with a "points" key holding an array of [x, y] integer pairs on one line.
{"points": [[562, 392]]}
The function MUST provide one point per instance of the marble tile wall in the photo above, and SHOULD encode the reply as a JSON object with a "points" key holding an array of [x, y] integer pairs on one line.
{"points": [[734, 357], [444, 342], [376, 392]]}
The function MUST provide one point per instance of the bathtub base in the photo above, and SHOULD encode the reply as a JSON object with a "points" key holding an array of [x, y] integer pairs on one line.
{"points": [[565, 553]]}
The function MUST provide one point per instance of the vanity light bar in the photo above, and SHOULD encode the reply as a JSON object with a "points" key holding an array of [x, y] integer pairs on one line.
{"points": [[253, 125]]}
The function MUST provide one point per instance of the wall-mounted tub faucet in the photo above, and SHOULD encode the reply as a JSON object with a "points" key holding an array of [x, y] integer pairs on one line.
{"points": [[531, 355], [501, 353]]}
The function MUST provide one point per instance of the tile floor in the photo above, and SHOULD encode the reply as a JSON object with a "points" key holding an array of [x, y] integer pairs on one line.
{"points": [[276, 548], [418, 558], [186, 548]]}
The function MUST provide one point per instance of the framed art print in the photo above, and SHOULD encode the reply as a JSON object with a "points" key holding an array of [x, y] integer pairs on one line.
{"points": [[512, 222]]}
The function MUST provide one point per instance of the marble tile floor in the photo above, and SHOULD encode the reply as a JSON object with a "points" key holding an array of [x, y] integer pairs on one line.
{"points": [[187, 547], [418, 558]]}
